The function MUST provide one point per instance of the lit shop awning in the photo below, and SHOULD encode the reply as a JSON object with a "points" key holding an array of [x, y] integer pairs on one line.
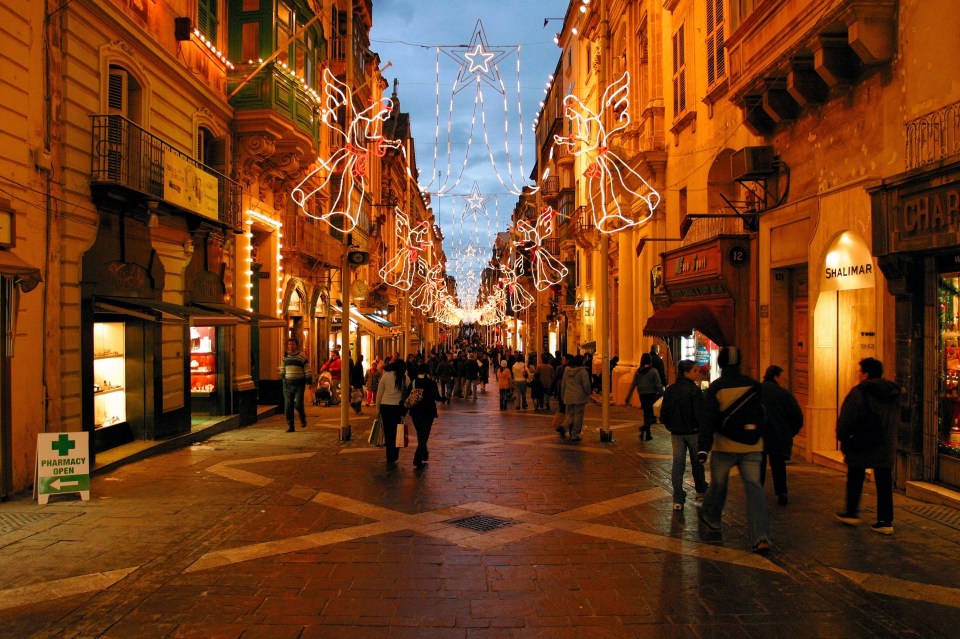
{"points": [[145, 309], [713, 318], [25, 276], [243, 315], [374, 324]]}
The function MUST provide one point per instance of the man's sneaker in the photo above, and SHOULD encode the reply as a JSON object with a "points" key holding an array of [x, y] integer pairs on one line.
{"points": [[883, 527], [706, 523], [290, 429], [678, 506], [762, 547], [847, 518]]}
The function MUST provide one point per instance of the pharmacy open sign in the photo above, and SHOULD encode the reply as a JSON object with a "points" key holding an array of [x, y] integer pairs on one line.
{"points": [[63, 465]]}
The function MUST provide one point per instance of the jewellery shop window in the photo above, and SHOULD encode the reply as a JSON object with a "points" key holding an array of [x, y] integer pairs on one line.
{"points": [[949, 393], [109, 374], [203, 360]]}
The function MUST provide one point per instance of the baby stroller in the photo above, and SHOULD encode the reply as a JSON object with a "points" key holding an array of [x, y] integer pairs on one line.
{"points": [[326, 393]]}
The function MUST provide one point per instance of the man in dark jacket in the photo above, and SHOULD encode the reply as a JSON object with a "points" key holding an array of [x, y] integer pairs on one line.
{"points": [[731, 430], [867, 431], [680, 412], [784, 421], [657, 362]]}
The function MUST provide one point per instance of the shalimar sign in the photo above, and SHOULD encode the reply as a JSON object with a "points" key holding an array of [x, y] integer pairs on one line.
{"points": [[847, 265]]}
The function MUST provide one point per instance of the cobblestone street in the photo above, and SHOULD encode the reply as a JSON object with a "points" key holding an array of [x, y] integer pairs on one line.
{"points": [[506, 532]]}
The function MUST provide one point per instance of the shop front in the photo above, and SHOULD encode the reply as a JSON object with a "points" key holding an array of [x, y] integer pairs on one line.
{"points": [[702, 295], [916, 217]]}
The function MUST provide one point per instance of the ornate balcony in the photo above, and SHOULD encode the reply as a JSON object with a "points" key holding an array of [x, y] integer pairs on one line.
{"points": [[933, 137], [310, 239], [790, 53], [129, 165]]}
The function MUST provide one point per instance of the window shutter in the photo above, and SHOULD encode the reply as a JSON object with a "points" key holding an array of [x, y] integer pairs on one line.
{"points": [[682, 79], [721, 54], [117, 92], [215, 154]]}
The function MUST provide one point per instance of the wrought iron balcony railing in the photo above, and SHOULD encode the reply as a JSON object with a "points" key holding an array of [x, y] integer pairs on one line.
{"points": [[125, 155], [311, 238], [933, 137]]}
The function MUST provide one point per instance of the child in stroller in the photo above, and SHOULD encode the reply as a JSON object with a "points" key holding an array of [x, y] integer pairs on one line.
{"points": [[325, 392]]}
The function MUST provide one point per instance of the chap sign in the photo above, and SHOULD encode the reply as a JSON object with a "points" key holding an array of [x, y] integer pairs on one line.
{"points": [[63, 465]]}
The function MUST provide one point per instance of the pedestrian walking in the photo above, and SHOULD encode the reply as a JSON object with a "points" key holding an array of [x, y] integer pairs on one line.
{"points": [[649, 386], [575, 388], [681, 412], [544, 376], [657, 362], [294, 376], [520, 378], [731, 431], [867, 431], [445, 377], [423, 413], [784, 421], [390, 392], [372, 380], [504, 383], [356, 384]]}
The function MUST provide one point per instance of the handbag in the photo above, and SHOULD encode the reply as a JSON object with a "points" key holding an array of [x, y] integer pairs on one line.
{"points": [[403, 438], [656, 406], [376, 437]]}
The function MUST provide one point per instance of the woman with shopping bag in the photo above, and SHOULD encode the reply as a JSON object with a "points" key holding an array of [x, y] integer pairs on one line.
{"points": [[390, 393], [423, 413]]}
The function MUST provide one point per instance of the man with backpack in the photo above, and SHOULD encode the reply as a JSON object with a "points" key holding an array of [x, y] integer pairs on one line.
{"points": [[731, 428]]}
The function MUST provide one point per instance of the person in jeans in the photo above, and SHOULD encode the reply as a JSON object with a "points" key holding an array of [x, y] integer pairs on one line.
{"points": [[294, 375], [504, 383], [520, 377], [723, 394], [575, 389], [680, 413], [871, 405]]}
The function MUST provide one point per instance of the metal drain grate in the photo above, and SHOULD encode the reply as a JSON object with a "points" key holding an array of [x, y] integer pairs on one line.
{"points": [[940, 514], [9, 522], [482, 523]]}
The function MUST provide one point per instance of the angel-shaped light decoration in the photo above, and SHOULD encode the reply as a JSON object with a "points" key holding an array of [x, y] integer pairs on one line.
{"points": [[547, 270], [518, 296], [608, 175], [427, 296], [400, 270], [362, 135]]}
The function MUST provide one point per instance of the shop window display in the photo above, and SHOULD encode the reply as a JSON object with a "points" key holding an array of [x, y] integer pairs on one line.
{"points": [[949, 405], [109, 374], [203, 360]]}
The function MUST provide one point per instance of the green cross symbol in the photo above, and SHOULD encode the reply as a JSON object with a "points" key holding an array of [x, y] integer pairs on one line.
{"points": [[63, 445]]}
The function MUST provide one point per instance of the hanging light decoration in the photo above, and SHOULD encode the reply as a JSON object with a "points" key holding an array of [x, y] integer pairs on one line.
{"points": [[546, 269], [362, 135], [609, 177], [400, 270]]}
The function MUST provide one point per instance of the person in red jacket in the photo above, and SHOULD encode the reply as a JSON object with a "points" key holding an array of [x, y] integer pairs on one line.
{"points": [[335, 366]]}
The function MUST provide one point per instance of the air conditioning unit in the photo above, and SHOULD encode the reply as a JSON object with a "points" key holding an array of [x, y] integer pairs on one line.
{"points": [[752, 163]]}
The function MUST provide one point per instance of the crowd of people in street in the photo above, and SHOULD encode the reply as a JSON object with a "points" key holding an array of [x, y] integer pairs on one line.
{"points": [[735, 421]]}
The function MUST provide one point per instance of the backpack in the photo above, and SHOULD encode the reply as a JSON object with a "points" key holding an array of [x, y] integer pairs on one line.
{"points": [[413, 397], [743, 421]]}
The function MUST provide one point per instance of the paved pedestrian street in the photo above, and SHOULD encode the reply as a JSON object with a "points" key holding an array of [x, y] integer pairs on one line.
{"points": [[507, 532]]}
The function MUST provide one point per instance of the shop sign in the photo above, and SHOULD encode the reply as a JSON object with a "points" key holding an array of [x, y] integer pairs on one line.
{"points": [[189, 186], [695, 263], [738, 255], [707, 290], [848, 265], [63, 465], [929, 213]]}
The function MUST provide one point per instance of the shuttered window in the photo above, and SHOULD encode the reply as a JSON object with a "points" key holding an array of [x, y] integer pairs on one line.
{"points": [[679, 72], [208, 19], [716, 62]]}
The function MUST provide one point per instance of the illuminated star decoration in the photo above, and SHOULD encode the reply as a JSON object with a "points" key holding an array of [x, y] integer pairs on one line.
{"points": [[470, 251], [607, 174], [476, 203], [362, 136], [546, 269], [478, 62], [400, 270]]}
